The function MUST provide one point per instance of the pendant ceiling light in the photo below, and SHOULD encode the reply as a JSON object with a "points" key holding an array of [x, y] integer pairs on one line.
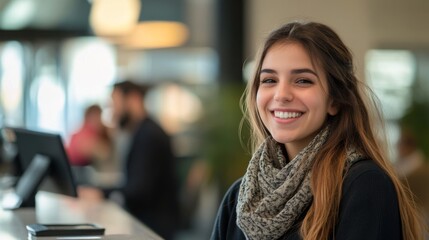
{"points": [[156, 34], [114, 18]]}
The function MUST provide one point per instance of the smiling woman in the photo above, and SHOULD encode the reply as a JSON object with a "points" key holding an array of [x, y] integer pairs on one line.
{"points": [[318, 170], [292, 99]]}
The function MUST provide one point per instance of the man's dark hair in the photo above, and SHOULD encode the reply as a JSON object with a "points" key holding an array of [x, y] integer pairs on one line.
{"points": [[128, 86]]}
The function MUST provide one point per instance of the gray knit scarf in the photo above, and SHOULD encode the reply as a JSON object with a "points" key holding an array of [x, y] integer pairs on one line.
{"points": [[272, 198]]}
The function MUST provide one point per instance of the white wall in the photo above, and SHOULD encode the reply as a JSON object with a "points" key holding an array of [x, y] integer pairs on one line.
{"points": [[362, 24]]}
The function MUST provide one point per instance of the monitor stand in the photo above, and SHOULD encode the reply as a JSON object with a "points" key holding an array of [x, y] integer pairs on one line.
{"points": [[28, 184]]}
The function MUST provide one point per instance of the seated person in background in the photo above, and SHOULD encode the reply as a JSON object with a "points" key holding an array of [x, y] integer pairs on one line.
{"points": [[91, 143]]}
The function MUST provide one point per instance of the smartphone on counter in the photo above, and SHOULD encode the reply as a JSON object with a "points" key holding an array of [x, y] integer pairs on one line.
{"points": [[82, 229]]}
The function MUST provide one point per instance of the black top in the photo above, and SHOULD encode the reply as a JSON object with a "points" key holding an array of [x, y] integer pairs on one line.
{"points": [[368, 209]]}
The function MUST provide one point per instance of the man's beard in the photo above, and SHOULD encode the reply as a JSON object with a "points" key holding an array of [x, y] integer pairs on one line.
{"points": [[124, 120]]}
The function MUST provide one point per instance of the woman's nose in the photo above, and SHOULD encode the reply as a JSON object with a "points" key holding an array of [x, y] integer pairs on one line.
{"points": [[283, 93]]}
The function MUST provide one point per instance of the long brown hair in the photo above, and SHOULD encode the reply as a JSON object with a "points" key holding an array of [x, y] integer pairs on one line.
{"points": [[354, 125]]}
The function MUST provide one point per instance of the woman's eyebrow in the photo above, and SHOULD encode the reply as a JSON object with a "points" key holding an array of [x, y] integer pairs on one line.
{"points": [[304, 70], [293, 71], [267, 70]]}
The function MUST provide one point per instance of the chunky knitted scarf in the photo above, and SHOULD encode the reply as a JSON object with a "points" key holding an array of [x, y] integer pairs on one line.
{"points": [[272, 198]]}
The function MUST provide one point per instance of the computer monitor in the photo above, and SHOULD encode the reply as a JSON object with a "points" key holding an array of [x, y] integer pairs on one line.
{"points": [[45, 166]]}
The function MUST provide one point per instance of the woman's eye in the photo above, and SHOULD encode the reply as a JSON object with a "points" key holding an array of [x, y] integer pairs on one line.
{"points": [[268, 80], [304, 81]]}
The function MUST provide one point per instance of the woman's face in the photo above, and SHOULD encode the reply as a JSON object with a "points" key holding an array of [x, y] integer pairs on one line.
{"points": [[292, 97]]}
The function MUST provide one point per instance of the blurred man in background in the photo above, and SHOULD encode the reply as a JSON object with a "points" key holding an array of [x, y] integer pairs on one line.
{"points": [[149, 188]]}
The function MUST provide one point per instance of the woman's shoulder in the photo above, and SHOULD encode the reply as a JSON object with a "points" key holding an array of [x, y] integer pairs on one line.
{"points": [[231, 195], [236, 185], [369, 205], [367, 173], [225, 226], [364, 166]]}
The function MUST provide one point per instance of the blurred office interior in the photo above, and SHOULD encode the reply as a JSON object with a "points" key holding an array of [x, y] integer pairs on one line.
{"points": [[59, 56]]}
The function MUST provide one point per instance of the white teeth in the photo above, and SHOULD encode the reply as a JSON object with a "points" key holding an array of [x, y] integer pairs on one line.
{"points": [[286, 115]]}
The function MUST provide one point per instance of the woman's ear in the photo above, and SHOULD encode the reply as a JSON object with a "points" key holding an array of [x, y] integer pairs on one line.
{"points": [[333, 108]]}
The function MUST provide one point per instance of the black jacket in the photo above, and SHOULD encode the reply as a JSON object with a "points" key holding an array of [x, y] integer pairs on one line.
{"points": [[368, 209], [150, 188]]}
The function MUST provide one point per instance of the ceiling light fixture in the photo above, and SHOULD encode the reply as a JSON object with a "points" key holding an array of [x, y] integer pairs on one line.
{"points": [[156, 34], [113, 18]]}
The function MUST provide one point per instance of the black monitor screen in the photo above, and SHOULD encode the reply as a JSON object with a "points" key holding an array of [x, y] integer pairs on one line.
{"points": [[55, 175]]}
